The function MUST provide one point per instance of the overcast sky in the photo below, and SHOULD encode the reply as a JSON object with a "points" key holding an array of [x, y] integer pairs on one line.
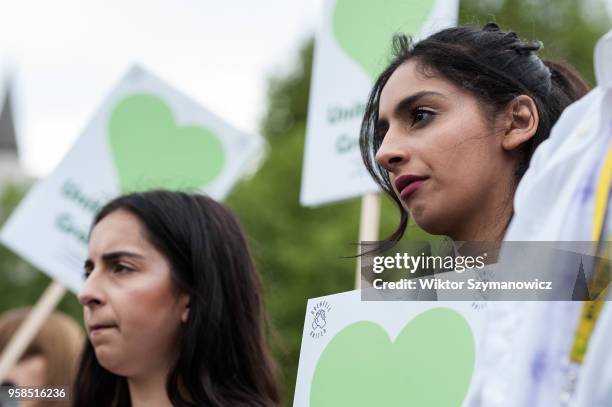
{"points": [[65, 55]]}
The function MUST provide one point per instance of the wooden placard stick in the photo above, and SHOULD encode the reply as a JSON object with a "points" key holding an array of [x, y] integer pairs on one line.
{"points": [[368, 227]]}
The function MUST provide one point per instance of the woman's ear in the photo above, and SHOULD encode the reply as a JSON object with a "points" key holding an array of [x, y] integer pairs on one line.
{"points": [[185, 314], [185, 303], [521, 121]]}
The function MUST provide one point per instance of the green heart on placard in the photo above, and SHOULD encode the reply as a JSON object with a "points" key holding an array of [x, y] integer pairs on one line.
{"points": [[364, 28], [429, 364], [151, 151]]}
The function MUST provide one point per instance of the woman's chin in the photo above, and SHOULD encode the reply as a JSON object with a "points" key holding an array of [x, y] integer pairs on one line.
{"points": [[110, 361], [428, 222]]}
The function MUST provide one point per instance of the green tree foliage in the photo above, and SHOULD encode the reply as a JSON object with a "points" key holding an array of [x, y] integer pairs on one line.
{"points": [[568, 29], [20, 283], [288, 97]]}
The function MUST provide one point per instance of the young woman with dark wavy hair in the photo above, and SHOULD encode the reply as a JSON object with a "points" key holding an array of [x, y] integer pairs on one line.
{"points": [[173, 307], [450, 127], [449, 130]]}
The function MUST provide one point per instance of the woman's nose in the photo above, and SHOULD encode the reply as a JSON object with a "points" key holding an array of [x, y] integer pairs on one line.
{"points": [[92, 293], [392, 153]]}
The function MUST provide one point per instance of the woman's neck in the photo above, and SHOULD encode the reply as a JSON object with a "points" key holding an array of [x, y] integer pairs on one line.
{"points": [[491, 232], [149, 390], [489, 223]]}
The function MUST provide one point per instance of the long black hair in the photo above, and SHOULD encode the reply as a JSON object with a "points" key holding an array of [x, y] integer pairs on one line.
{"points": [[493, 65], [222, 357]]}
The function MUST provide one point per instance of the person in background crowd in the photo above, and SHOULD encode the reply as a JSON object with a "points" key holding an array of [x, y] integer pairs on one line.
{"points": [[52, 357]]}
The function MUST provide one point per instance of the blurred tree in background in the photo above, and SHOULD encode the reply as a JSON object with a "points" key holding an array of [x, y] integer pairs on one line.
{"points": [[20, 283], [568, 29], [301, 252]]}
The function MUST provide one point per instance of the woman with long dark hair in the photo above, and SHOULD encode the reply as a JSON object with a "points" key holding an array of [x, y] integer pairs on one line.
{"points": [[449, 130], [173, 307], [452, 123]]}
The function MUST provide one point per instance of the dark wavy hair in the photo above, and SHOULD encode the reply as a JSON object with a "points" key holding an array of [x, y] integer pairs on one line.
{"points": [[222, 357], [493, 65]]}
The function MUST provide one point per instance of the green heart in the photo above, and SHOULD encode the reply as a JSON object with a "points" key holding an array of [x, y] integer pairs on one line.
{"points": [[430, 364], [150, 151], [364, 28]]}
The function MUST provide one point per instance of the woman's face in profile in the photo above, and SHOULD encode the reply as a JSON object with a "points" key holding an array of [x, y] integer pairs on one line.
{"points": [[132, 309], [441, 153]]}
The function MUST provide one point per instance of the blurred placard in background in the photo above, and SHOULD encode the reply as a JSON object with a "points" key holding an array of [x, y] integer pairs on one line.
{"points": [[353, 45], [145, 135]]}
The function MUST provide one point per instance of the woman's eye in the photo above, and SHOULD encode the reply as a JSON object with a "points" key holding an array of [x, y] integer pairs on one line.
{"points": [[421, 116], [121, 268]]}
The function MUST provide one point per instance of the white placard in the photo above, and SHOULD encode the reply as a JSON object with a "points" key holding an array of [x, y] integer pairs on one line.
{"points": [[388, 353], [353, 46], [145, 135]]}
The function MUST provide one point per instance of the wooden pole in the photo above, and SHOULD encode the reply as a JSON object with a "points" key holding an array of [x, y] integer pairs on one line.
{"points": [[30, 327], [368, 226]]}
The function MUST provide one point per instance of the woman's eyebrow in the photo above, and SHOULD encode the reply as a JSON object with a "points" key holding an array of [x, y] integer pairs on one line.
{"points": [[407, 102], [113, 256]]}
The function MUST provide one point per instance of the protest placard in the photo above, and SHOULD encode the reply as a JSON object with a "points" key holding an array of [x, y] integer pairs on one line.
{"points": [[145, 135], [387, 353], [353, 45]]}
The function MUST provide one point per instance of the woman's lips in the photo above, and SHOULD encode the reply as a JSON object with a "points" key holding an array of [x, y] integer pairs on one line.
{"points": [[98, 329], [408, 184]]}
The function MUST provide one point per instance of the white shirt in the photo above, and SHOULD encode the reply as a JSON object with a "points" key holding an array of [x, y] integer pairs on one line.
{"points": [[527, 344]]}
